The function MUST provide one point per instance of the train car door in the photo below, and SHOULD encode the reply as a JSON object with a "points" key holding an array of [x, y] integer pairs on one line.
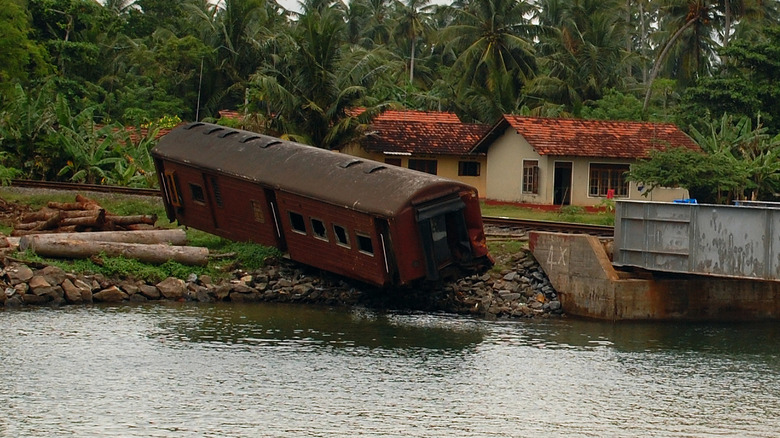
{"points": [[215, 197], [444, 235], [391, 268], [270, 197]]}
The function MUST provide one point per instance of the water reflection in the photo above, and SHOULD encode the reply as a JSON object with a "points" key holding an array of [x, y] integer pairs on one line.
{"points": [[184, 370], [315, 327]]}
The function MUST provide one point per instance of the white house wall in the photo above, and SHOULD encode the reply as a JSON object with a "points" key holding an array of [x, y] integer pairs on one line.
{"points": [[505, 170], [505, 175]]}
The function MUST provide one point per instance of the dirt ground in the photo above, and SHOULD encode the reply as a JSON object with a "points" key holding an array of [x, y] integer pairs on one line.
{"points": [[11, 212]]}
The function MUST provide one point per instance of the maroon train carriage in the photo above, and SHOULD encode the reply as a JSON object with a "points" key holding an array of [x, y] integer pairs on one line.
{"points": [[359, 218]]}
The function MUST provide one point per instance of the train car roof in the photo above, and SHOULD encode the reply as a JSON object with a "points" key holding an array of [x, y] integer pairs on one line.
{"points": [[336, 178]]}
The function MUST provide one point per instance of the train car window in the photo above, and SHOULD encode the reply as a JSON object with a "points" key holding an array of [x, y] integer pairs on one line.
{"points": [[342, 238], [297, 223], [364, 244], [318, 229], [257, 210], [197, 193], [172, 188]]}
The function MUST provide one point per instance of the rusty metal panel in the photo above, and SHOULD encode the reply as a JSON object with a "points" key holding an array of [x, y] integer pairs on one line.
{"points": [[721, 240]]}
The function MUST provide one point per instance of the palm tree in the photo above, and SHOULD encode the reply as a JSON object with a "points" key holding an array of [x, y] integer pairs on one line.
{"points": [[741, 14], [413, 23], [493, 42], [585, 54], [311, 93], [690, 23]]}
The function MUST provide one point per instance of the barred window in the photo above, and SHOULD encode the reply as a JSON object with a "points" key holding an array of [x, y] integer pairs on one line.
{"points": [[531, 176], [468, 168], [427, 166], [606, 177]]}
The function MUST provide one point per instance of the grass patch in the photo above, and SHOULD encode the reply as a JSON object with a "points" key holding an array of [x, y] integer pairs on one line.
{"points": [[247, 256], [569, 213], [120, 267]]}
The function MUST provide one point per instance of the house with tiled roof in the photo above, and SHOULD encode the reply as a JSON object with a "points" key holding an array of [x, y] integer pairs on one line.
{"points": [[547, 161], [432, 142]]}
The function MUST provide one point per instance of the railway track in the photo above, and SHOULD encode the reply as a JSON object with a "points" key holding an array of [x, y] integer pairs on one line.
{"points": [[515, 224], [559, 227], [49, 185]]}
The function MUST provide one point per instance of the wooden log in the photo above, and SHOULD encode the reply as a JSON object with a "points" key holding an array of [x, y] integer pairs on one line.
{"points": [[47, 213], [81, 203], [20, 233], [148, 219], [28, 225], [49, 223], [152, 253], [95, 219], [40, 215], [173, 236]]}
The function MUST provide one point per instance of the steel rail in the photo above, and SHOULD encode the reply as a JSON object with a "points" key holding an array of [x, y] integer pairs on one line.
{"points": [[55, 185], [560, 227]]}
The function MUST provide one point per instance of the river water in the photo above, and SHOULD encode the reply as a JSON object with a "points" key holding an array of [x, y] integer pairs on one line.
{"points": [[185, 370]]}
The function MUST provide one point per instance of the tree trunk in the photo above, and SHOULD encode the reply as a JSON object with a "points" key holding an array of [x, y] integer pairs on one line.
{"points": [[173, 237], [660, 59], [148, 219], [153, 253], [411, 64]]}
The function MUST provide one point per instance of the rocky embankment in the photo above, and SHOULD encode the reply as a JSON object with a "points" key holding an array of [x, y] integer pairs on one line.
{"points": [[522, 291]]}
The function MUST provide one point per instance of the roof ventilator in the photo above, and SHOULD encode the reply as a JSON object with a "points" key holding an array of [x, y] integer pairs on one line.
{"points": [[270, 143], [350, 163], [250, 138], [375, 169], [226, 134], [213, 130], [193, 125]]}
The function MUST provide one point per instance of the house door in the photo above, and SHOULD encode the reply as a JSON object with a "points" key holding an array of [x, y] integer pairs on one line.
{"points": [[562, 184]]}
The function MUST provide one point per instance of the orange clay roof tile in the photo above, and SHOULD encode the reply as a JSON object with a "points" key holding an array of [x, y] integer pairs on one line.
{"points": [[597, 138], [427, 133]]}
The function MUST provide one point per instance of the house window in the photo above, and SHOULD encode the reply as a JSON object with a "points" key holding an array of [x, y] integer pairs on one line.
{"points": [[297, 223], [318, 229], [531, 176], [342, 238], [393, 161], [197, 193], [427, 166], [365, 245], [468, 168], [172, 188], [605, 177]]}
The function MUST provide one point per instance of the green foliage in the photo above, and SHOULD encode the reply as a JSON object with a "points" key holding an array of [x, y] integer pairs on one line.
{"points": [[747, 85], [614, 106], [248, 255], [738, 160], [571, 213], [21, 56]]}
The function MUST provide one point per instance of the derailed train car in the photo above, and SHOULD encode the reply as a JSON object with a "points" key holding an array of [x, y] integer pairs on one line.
{"points": [[380, 224]]}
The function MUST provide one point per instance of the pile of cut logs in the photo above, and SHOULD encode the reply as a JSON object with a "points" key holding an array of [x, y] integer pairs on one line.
{"points": [[83, 229], [82, 215]]}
